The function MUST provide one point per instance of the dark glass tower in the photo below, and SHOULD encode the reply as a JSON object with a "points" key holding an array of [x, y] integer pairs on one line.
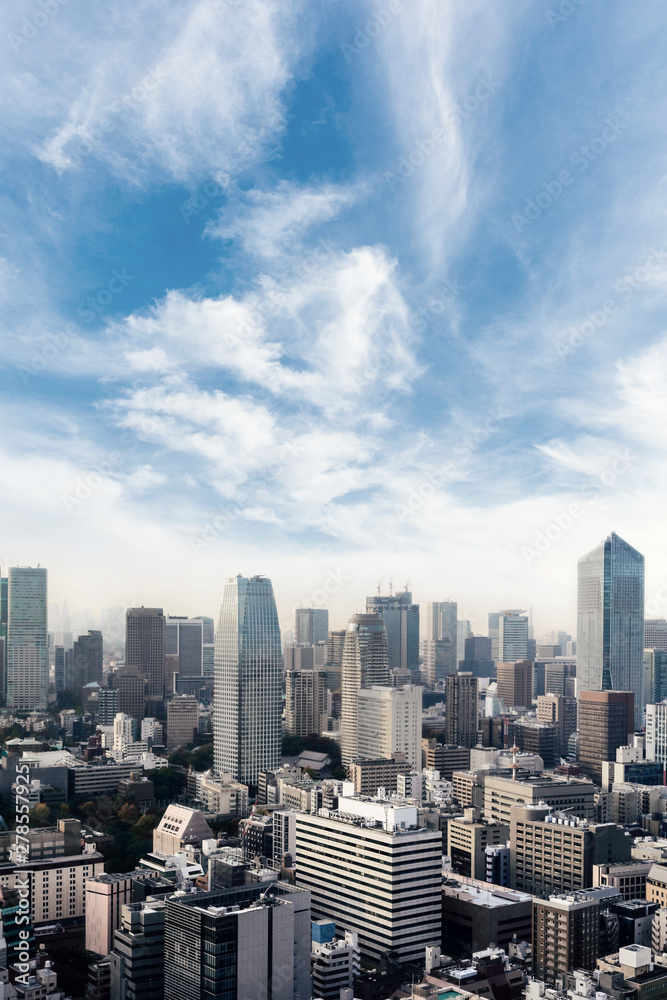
{"points": [[610, 621]]}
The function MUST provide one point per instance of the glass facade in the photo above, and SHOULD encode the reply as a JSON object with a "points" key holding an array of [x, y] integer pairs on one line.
{"points": [[248, 681], [184, 638], [401, 618], [27, 640], [610, 621], [365, 663]]}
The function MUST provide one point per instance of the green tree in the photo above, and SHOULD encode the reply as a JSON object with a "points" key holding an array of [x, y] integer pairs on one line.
{"points": [[40, 815], [144, 827]]}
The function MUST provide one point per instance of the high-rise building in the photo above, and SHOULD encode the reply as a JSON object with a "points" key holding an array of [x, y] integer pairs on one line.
{"points": [[566, 932], [311, 624], [182, 721], [27, 640], [437, 664], [515, 683], [59, 668], [461, 710], [376, 873], [462, 633], [248, 681], [365, 663], [184, 638], [440, 622], [610, 621], [477, 657], [656, 732], [335, 962], [107, 706], [605, 722], [4, 607], [105, 899], [145, 647], [561, 712], [513, 636], [131, 686], [305, 701], [237, 943], [389, 723], [88, 659], [401, 618], [655, 675], [655, 633], [137, 958]]}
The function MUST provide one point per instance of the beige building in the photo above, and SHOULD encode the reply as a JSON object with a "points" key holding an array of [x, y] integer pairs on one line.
{"points": [[105, 897], [515, 683], [630, 878], [444, 757], [369, 775], [389, 723], [561, 712], [182, 721], [467, 839], [305, 702], [57, 886], [574, 796], [179, 827]]}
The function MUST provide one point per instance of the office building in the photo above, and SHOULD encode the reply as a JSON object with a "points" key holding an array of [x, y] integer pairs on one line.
{"points": [[137, 958], [87, 654], [370, 775], [311, 625], [335, 962], [461, 710], [441, 623], [561, 712], [438, 662], [475, 913], [238, 943], [656, 732], [508, 631], [145, 647], [305, 702], [610, 621], [566, 931], [248, 681], [182, 721], [365, 663], [374, 851], [180, 827], [468, 836], [556, 852], [401, 618], [389, 723], [105, 897], [560, 677], [445, 758], [477, 657], [57, 885], [462, 633], [132, 691], [572, 795], [540, 739], [59, 669], [107, 706], [515, 683], [27, 639], [655, 675], [184, 639], [655, 634], [605, 723]]}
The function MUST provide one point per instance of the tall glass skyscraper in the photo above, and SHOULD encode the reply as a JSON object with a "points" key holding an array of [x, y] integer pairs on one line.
{"points": [[365, 663], [311, 625], [248, 681], [27, 639], [610, 621], [401, 619]]}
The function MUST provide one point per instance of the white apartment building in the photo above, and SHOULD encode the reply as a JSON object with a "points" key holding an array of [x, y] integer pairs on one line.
{"points": [[656, 732], [57, 885]]}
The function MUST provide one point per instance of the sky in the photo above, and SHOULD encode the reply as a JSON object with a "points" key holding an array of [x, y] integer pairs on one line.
{"points": [[337, 292]]}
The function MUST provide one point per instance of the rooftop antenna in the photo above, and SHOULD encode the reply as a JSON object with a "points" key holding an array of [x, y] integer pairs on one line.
{"points": [[407, 585], [391, 586], [514, 763], [379, 587]]}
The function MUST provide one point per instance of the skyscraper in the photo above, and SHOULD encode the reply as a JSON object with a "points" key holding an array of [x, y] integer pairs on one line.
{"points": [[311, 624], [401, 618], [389, 722], [248, 680], [27, 640], [441, 623], [145, 647], [365, 662], [515, 684], [461, 710], [610, 621], [606, 719], [88, 658], [512, 636], [655, 675], [184, 638]]}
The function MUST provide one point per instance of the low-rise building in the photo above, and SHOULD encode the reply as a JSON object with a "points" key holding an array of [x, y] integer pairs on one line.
{"points": [[475, 913]]}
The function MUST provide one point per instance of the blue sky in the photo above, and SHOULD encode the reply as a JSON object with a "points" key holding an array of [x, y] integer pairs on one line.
{"points": [[335, 292]]}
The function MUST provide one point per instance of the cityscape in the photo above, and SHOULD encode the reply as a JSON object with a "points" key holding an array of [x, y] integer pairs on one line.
{"points": [[333, 563], [395, 808]]}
